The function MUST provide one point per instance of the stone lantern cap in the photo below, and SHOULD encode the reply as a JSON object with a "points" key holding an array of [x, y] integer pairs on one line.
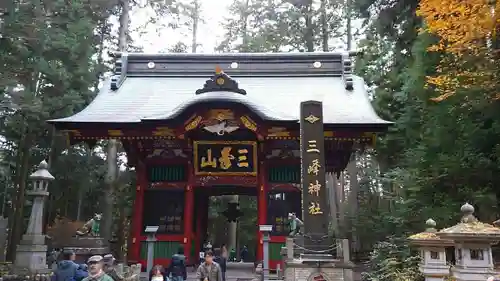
{"points": [[429, 237], [42, 173], [470, 228]]}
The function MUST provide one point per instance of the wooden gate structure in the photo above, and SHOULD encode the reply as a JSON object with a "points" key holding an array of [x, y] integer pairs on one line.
{"points": [[196, 125]]}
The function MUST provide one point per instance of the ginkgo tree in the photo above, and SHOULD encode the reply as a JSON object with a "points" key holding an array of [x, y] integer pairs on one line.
{"points": [[467, 33]]}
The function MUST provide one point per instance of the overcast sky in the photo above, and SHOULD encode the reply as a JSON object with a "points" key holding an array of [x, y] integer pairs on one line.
{"points": [[209, 33]]}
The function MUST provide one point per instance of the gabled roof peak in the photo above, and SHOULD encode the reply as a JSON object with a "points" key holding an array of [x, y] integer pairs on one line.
{"points": [[220, 82]]}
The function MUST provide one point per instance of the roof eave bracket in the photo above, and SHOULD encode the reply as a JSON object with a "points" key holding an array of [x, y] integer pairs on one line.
{"points": [[120, 72], [347, 72]]}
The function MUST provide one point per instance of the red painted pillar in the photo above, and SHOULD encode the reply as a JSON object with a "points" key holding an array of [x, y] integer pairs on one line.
{"points": [[199, 227], [188, 213], [204, 216], [261, 205], [142, 182]]}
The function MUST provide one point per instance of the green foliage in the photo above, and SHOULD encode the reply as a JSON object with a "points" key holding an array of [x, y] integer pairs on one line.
{"points": [[436, 156], [277, 26], [392, 260], [51, 55]]}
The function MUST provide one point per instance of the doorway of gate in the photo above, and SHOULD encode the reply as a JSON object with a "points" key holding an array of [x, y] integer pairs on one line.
{"points": [[226, 216]]}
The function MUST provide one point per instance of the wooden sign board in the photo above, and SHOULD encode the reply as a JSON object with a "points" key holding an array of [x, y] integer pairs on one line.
{"points": [[230, 158], [313, 181]]}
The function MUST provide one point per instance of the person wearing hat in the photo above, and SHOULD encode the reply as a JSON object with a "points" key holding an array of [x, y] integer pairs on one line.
{"points": [[96, 272], [110, 269], [108, 260]]}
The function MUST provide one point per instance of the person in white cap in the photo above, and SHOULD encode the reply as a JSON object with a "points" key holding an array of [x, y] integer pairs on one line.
{"points": [[110, 269], [96, 272]]}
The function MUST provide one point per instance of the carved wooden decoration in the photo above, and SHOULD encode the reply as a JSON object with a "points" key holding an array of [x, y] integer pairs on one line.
{"points": [[221, 82], [193, 122], [248, 123], [278, 132], [163, 132]]}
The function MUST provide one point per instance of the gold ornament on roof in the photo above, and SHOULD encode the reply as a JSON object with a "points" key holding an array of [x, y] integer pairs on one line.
{"points": [[220, 81]]}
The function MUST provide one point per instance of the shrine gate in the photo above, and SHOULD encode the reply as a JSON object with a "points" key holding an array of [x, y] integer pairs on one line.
{"points": [[197, 125]]}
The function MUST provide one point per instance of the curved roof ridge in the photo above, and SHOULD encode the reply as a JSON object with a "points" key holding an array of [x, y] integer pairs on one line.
{"points": [[227, 97], [273, 98]]}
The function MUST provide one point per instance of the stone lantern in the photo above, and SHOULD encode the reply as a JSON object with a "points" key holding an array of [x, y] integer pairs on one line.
{"points": [[473, 240], [432, 252], [31, 252]]}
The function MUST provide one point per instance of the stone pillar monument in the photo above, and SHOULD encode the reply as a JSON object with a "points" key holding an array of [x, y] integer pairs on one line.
{"points": [[316, 261], [266, 230], [151, 239], [31, 253]]}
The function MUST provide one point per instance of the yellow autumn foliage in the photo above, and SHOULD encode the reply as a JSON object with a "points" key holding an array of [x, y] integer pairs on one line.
{"points": [[466, 30]]}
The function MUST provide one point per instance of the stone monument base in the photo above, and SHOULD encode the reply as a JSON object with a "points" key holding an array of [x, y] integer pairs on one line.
{"points": [[469, 273], [318, 268], [31, 255], [87, 246]]}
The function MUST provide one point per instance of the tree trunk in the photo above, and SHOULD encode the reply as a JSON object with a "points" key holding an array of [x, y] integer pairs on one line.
{"points": [[83, 189], [107, 209], [341, 205], [195, 17], [232, 228], [352, 170], [309, 32], [349, 24], [244, 28], [324, 27], [124, 25], [331, 186], [107, 216], [122, 235], [100, 59], [22, 177]]}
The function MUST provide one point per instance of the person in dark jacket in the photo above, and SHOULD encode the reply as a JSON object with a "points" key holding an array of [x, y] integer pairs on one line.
{"points": [[177, 268], [244, 254], [222, 261], [81, 272], [67, 269], [209, 270]]}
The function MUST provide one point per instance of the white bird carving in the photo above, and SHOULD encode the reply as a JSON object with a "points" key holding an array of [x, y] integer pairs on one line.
{"points": [[221, 128]]}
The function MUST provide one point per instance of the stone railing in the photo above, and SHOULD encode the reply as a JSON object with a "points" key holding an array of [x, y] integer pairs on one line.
{"points": [[293, 248]]}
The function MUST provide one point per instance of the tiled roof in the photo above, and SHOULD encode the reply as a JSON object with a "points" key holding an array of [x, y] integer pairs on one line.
{"points": [[476, 228], [271, 98], [164, 94]]}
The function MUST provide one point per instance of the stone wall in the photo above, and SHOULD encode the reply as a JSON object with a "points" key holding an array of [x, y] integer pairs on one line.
{"points": [[338, 271]]}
